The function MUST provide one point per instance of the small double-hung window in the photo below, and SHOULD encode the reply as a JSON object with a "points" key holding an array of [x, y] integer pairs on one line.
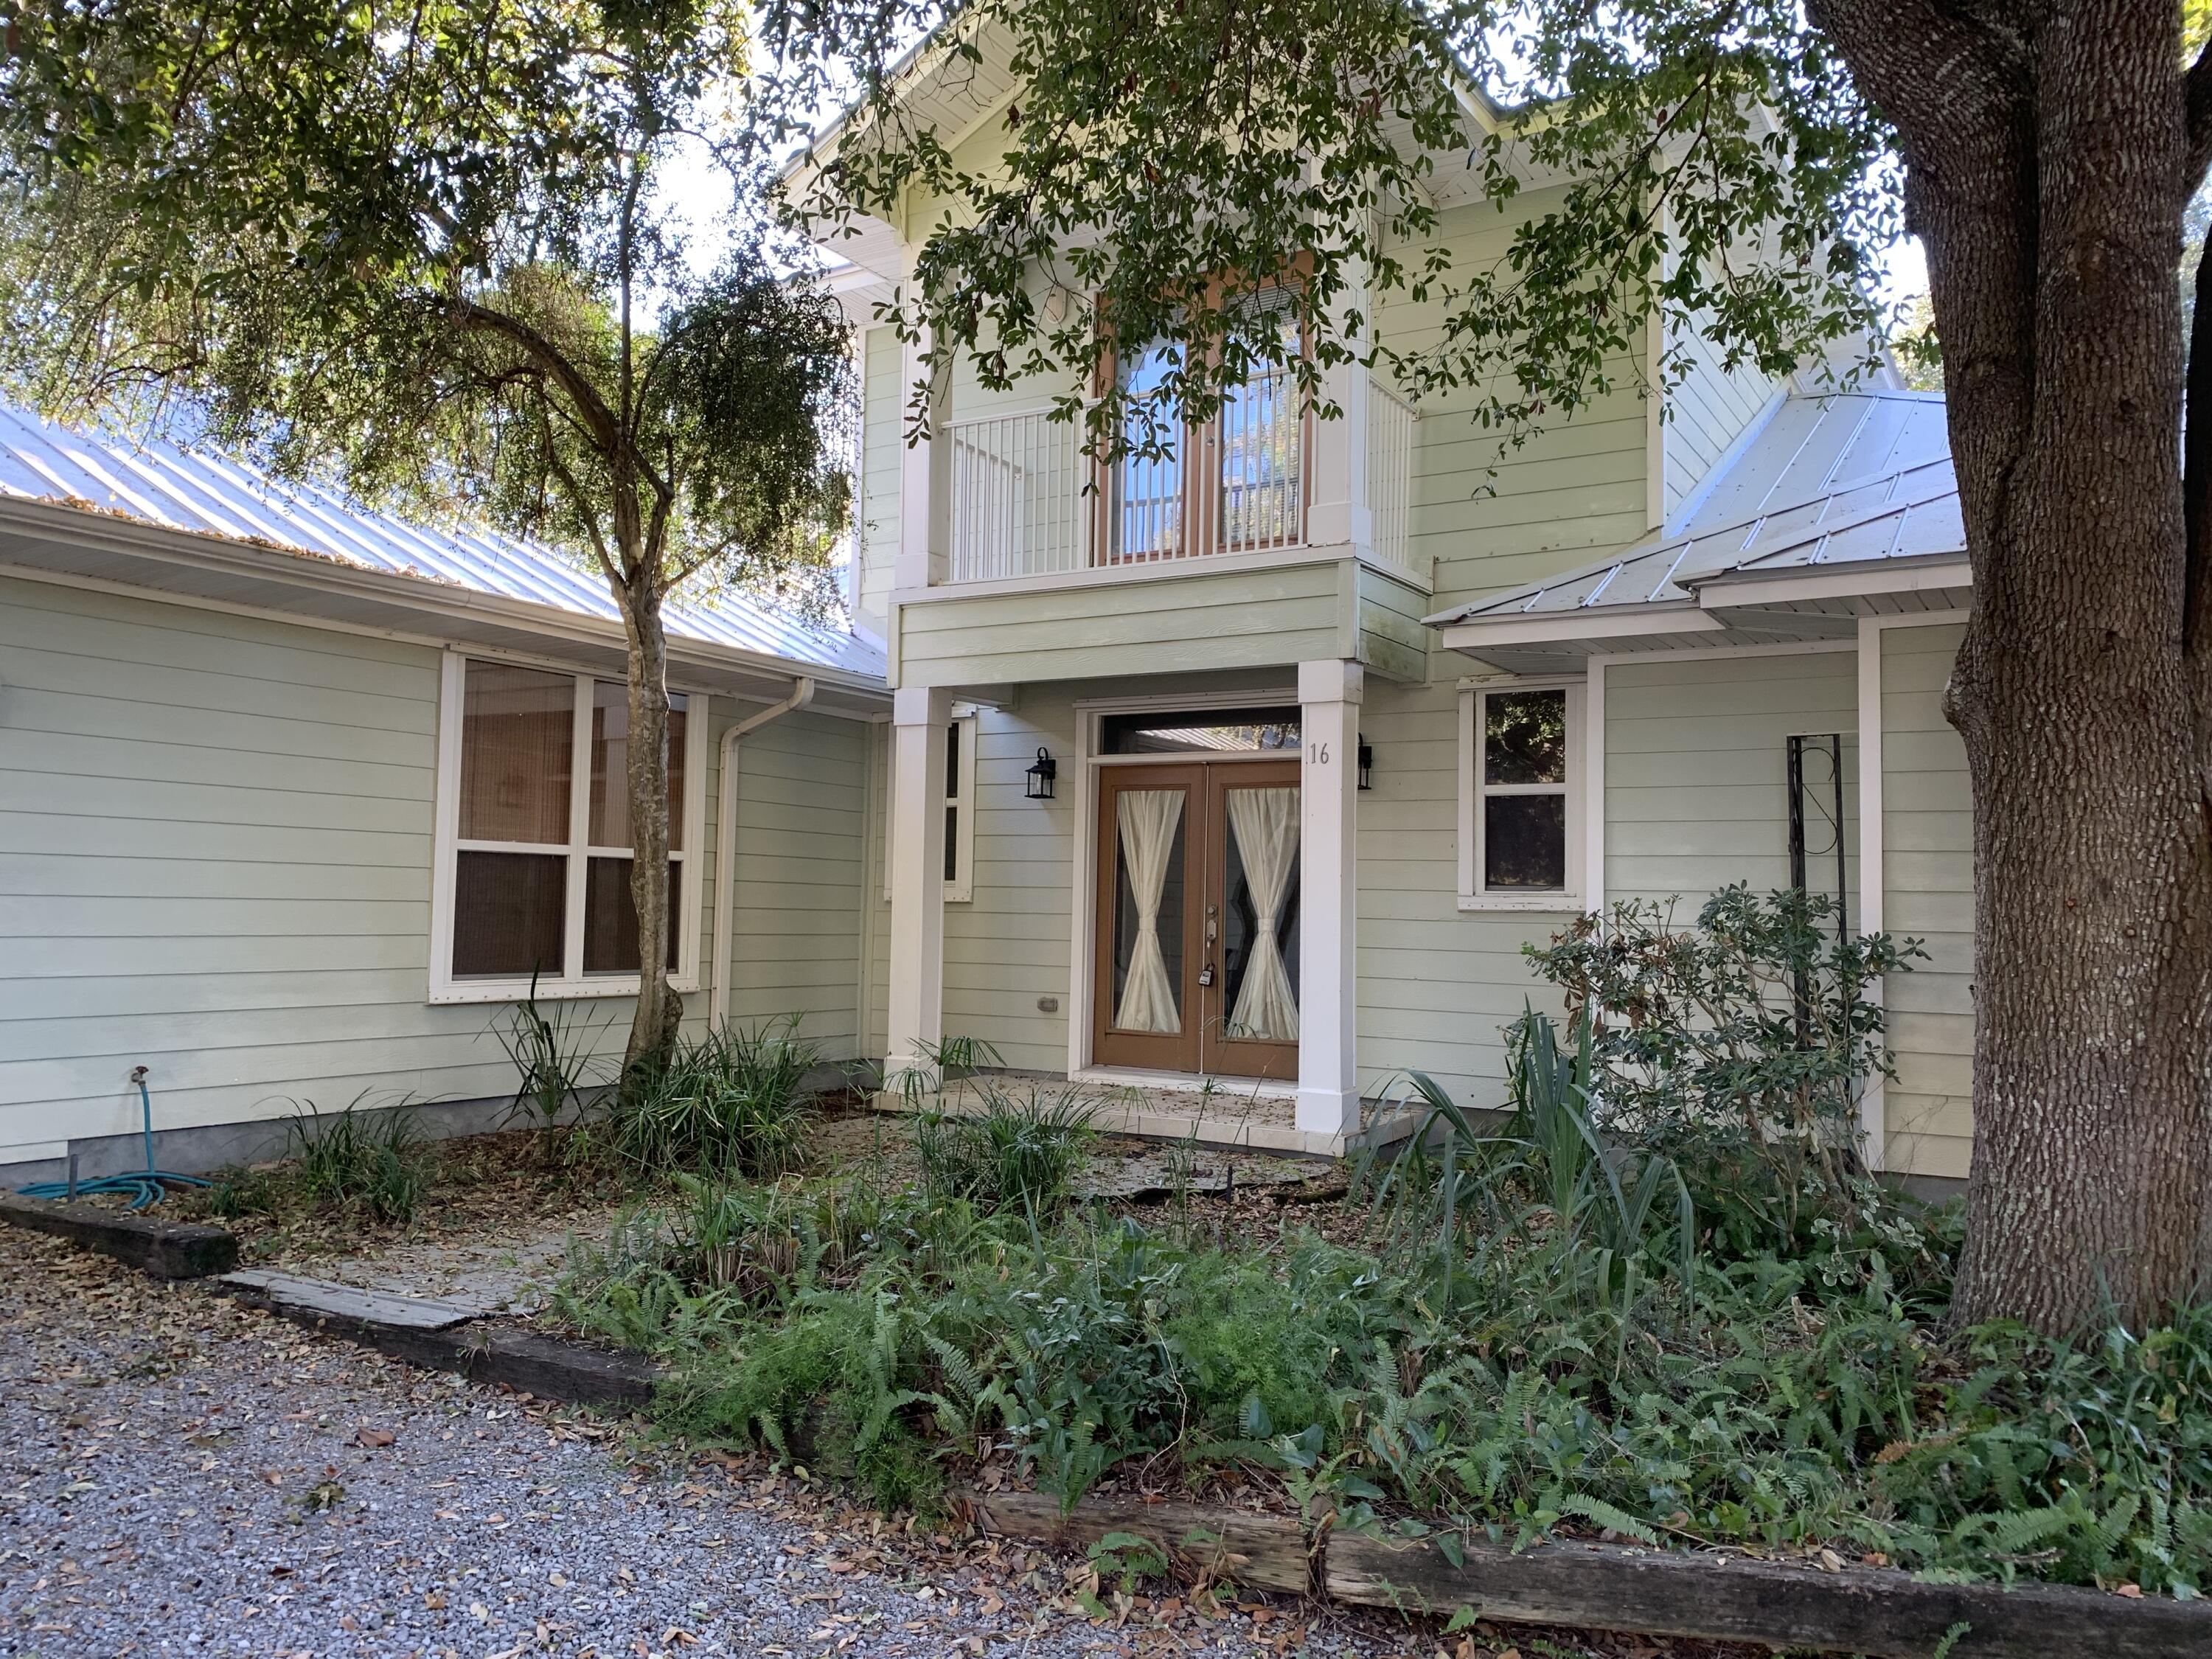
{"points": [[534, 845], [1520, 798]]}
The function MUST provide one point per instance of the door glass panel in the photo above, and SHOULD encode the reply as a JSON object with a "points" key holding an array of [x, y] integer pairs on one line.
{"points": [[1260, 918], [1148, 910]]}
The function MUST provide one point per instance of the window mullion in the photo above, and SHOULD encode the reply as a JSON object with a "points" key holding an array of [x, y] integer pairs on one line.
{"points": [[580, 832]]}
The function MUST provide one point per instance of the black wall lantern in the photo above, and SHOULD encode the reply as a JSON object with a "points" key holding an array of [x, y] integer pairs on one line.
{"points": [[1366, 763], [1040, 776]]}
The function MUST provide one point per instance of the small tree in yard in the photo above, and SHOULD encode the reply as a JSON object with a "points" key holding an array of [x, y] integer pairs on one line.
{"points": [[422, 245], [1728, 165]]}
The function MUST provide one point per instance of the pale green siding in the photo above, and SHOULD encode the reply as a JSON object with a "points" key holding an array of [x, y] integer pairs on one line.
{"points": [[1696, 768], [1438, 986], [795, 929], [1393, 641], [1491, 520], [1223, 619], [1708, 411], [1008, 946], [876, 897], [882, 450], [1929, 894], [215, 844]]}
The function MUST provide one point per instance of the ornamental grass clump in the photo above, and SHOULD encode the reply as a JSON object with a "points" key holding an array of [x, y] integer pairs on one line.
{"points": [[354, 1160], [1010, 1152], [736, 1102]]}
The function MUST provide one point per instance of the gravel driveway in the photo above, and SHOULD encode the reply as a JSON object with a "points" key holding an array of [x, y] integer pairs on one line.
{"points": [[182, 1475], [178, 1475]]}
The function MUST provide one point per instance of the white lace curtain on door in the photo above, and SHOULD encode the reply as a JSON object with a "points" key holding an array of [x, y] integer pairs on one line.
{"points": [[1148, 819], [1266, 825]]}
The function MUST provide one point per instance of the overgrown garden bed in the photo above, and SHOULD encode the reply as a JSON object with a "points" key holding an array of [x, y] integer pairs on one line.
{"points": [[1663, 1304]]}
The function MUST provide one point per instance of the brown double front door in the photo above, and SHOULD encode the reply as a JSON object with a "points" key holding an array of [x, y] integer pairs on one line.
{"points": [[1197, 964]]}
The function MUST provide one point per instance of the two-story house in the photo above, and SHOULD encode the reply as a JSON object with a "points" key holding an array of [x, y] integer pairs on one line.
{"points": [[1247, 768], [1258, 763]]}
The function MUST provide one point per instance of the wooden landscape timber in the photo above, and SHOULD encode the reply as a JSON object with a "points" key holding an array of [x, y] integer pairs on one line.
{"points": [[165, 1249], [1255, 1550], [1714, 1596]]}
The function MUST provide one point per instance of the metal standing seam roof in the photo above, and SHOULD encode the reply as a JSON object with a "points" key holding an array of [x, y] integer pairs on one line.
{"points": [[1829, 480], [210, 494]]}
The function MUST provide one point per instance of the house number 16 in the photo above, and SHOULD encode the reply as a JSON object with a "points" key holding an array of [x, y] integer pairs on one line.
{"points": [[1318, 755]]}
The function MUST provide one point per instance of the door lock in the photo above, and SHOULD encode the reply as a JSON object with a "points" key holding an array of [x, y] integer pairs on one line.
{"points": [[1205, 974]]}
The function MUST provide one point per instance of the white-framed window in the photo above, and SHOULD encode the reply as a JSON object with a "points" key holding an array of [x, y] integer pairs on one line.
{"points": [[1521, 764], [959, 813], [533, 845]]}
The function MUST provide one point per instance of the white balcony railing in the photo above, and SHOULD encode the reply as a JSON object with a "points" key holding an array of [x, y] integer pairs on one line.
{"points": [[1019, 506], [1391, 428]]}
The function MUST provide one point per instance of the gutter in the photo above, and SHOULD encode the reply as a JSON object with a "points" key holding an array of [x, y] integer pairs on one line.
{"points": [[725, 840]]}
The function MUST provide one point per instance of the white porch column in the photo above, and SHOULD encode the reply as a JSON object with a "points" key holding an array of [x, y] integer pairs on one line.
{"points": [[1329, 903], [916, 856]]}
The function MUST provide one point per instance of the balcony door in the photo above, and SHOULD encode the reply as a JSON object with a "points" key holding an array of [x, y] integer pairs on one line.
{"points": [[1197, 919], [1236, 483]]}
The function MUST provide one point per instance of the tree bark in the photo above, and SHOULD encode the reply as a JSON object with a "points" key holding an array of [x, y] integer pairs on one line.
{"points": [[659, 1009], [2046, 155]]}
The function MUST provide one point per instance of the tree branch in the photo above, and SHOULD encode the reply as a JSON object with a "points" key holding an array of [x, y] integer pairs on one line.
{"points": [[597, 419]]}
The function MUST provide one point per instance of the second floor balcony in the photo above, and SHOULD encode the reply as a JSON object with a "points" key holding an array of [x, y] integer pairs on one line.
{"points": [[1264, 477]]}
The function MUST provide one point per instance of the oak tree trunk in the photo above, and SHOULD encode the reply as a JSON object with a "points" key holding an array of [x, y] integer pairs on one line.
{"points": [[659, 1009], [2046, 163]]}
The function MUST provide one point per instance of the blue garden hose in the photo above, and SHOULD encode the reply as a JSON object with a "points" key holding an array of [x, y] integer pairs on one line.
{"points": [[145, 1186]]}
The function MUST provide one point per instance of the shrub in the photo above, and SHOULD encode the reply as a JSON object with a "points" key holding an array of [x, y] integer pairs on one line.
{"points": [[357, 1160], [1017, 1152], [1736, 1047], [733, 1103]]}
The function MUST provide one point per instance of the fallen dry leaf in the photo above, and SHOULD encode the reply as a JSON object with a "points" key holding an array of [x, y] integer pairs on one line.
{"points": [[372, 1439]]}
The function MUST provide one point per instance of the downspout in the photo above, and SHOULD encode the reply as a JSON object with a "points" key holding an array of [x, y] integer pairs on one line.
{"points": [[725, 841]]}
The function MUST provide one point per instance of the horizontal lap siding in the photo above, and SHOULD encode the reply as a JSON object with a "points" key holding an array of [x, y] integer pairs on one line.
{"points": [[883, 393], [215, 838], [1706, 413], [1394, 641], [215, 861], [795, 924], [1164, 625], [1008, 947], [1928, 882], [1490, 520], [1697, 772], [1438, 986]]}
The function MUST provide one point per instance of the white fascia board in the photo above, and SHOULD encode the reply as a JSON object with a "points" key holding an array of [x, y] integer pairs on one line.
{"points": [[1564, 627], [303, 573], [1862, 578]]}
